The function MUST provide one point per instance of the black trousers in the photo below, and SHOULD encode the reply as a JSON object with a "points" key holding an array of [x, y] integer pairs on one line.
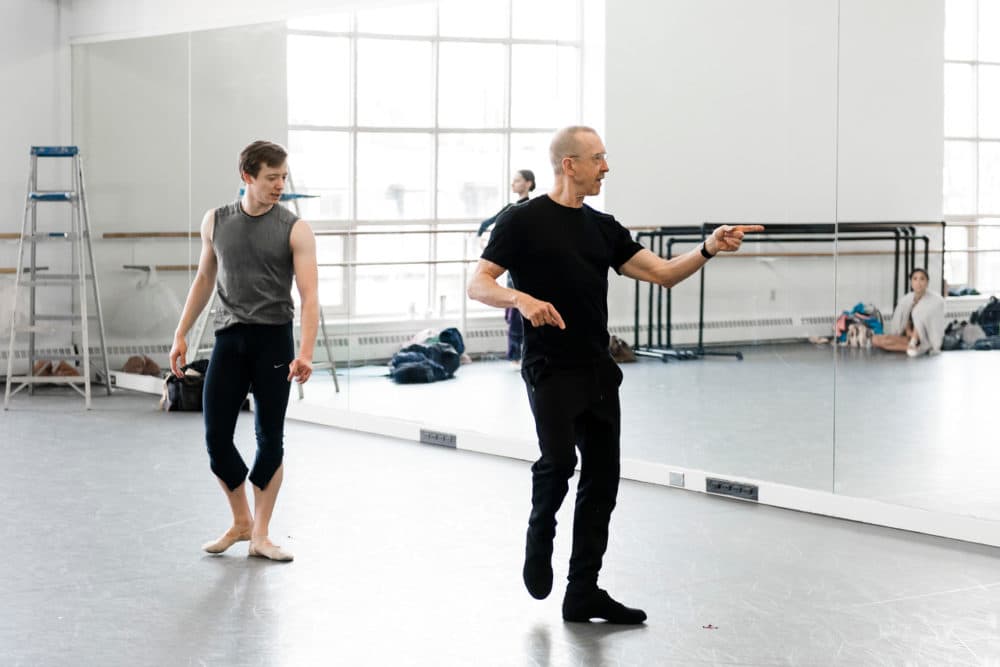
{"points": [[247, 357], [576, 408]]}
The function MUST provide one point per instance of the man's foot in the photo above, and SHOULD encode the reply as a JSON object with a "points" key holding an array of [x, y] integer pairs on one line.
{"points": [[264, 548], [596, 603], [228, 539], [538, 569]]}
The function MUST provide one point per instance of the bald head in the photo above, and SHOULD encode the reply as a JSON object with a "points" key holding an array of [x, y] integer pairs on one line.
{"points": [[566, 142]]}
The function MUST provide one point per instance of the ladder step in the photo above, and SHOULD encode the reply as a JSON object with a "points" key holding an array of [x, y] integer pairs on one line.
{"points": [[61, 318], [53, 195], [50, 236], [286, 196], [54, 151], [47, 379], [41, 328], [54, 280]]}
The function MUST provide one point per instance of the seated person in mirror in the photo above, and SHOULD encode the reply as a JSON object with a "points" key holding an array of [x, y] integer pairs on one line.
{"points": [[917, 325]]}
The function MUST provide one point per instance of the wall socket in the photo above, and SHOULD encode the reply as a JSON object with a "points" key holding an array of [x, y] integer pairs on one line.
{"points": [[725, 487], [438, 438], [677, 479]]}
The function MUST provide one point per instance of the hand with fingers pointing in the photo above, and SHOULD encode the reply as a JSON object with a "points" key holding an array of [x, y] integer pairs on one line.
{"points": [[728, 238], [539, 313]]}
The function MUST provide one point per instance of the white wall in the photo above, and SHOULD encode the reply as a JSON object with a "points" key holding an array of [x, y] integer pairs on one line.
{"points": [[35, 79], [719, 110], [205, 104]]}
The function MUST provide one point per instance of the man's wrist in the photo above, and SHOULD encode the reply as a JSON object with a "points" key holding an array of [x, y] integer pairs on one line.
{"points": [[706, 252]]}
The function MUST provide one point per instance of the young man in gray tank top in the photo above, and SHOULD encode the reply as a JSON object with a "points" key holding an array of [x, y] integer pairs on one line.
{"points": [[250, 251]]}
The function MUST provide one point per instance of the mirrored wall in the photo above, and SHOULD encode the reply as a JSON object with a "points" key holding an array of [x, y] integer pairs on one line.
{"points": [[829, 122]]}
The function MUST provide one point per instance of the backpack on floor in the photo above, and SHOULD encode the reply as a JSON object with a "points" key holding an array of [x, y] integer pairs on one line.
{"points": [[183, 394], [988, 317]]}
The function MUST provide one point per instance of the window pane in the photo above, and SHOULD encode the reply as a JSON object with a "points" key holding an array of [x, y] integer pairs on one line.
{"points": [[340, 22], [395, 84], [544, 86], [546, 19], [394, 176], [470, 173], [989, 101], [989, 178], [989, 30], [319, 163], [956, 265], [392, 290], [531, 151], [959, 177], [399, 20], [960, 30], [472, 85], [330, 250], [319, 80], [959, 101], [989, 262], [461, 18]]}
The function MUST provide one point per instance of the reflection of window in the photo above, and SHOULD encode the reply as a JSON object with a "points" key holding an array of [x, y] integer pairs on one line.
{"points": [[972, 141], [416, 116]]}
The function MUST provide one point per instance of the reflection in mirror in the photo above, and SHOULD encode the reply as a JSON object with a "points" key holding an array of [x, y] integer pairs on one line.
{"points": [[428, 153], [737, 126], [914, 408]]}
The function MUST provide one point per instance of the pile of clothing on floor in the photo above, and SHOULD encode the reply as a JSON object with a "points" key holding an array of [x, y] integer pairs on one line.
{"points": [[45, 368], [141, 365], [429, 358], [855, 327]]}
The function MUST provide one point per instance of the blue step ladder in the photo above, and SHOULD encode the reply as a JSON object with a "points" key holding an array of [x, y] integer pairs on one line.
{"points": [[81, 280]]}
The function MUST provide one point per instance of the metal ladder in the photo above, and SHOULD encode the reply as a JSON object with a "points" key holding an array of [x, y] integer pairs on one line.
{"points": [[202, 350], [34, 276]]}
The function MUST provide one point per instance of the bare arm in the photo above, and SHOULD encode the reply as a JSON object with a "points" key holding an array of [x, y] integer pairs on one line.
{"points": [[307, 279], [647, 266], [198, 295], [483, 287]]}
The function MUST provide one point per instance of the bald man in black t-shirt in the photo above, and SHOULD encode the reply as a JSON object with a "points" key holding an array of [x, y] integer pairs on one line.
{"points": [[558, 251]]}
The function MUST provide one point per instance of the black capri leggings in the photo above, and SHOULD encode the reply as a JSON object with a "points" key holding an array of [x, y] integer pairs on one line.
{"points": [[248, 357]]}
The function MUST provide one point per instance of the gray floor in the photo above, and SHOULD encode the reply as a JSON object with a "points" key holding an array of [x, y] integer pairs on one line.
{"points": [[410, 555], [860, 422]]}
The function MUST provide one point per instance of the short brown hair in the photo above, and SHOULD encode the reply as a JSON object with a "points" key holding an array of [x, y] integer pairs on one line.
{"points": [[260, 153]]}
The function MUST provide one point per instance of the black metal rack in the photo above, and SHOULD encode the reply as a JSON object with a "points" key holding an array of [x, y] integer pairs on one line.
{"points": [[904, 235]]}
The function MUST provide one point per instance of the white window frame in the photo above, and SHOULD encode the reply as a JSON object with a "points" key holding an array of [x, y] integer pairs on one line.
{"points": [[354, 130]]}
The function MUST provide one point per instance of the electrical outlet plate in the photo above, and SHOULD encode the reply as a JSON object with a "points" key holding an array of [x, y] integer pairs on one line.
{"points": [[677, 479], [438, 438], [725, 487]]}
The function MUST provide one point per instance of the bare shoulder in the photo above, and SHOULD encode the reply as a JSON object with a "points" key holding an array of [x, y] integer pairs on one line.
{"points": [[302, 235], [208, 225]]}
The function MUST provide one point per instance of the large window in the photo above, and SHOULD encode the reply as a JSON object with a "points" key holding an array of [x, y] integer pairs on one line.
{"points": [[408, 121], [972, 142]]}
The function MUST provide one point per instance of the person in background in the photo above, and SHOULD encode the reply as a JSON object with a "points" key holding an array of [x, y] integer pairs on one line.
{"points": [[522, 185], [917, 325]]}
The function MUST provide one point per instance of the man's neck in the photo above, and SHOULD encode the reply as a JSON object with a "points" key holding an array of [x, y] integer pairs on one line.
{"points": [[565, 195], [252, 207]]}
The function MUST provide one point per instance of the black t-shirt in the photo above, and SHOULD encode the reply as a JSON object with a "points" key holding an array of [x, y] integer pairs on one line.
{"points": [[562, 255]]}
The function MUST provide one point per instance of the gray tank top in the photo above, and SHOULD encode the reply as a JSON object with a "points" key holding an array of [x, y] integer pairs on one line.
{"points": [[255, 266]]}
